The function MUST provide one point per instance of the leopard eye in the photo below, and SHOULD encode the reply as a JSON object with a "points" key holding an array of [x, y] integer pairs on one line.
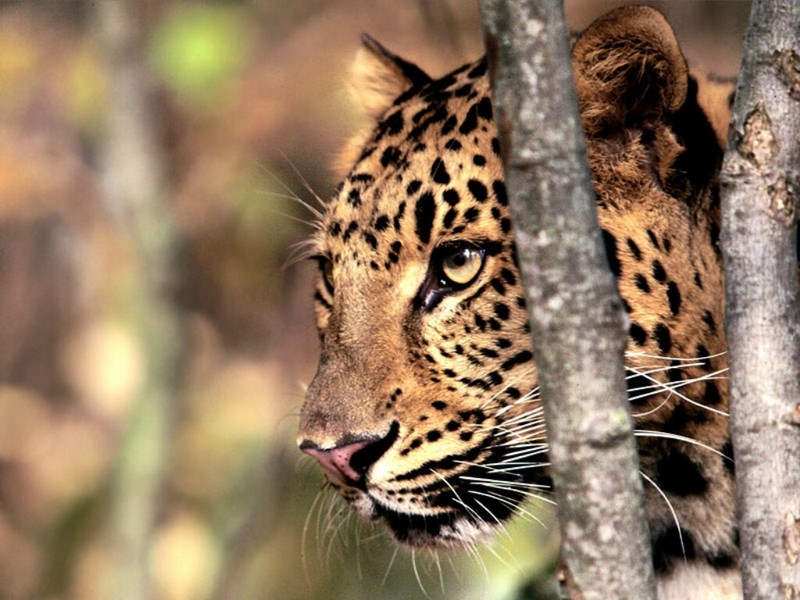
{"points": [[461, 263], [326, 268]]}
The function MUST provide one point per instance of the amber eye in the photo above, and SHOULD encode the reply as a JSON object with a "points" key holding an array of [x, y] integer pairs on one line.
{"points": [[461, 263]]}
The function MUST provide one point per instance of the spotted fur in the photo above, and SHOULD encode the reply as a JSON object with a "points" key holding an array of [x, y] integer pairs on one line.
{"points": [[432, 384]]}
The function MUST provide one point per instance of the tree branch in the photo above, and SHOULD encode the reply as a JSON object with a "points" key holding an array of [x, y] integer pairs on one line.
{"points": [[576, 314], [760, 181]]}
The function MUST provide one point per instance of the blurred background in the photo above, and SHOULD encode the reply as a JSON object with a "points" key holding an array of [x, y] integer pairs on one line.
{"points": [[155, 335]]}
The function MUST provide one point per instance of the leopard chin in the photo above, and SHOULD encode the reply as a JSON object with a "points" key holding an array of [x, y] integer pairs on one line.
{"points": [[447, 530]]}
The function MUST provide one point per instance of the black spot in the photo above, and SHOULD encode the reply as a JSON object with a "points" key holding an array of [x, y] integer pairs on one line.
{"points": [[498, 286], [638, 334], [439, 405], [393, 124], [496, 146], [472, 214], [499, 189], [424, 212], [505, 225], [518, 359], [495, 378], [667, 244], [711, 394], [708, 319], [439, 172], [702, 355], [470, 121], [501, 310], [637, 254], [679, 474], [351, 229], [363, 178], [729, 463], [697, 281], [465, 436], [667, 547], [390, 156], [396, 247], [675, 372], [659, 274], [371, 240], [503, 343], [479, 160], [453, 426], [413, 187], [663, 338], [449, 218], [478, 190], [674, 297], [451, 197], [509, 276], [513, 393], [720, 560], [653, 239], [641, 283], [485, 109], [453, 144], [354, 198], [611, 253], [449, 125], [433, 435], [382, 223], [626, 306]]}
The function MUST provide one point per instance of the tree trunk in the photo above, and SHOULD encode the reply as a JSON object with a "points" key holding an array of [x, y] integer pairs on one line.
{"points": [[145, 306], [760, 182], [576, 314]]}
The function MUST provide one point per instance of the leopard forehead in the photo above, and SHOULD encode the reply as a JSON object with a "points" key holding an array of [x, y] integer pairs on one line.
{"points": [[430, 173]]}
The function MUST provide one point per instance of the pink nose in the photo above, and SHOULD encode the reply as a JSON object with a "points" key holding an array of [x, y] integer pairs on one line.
{"points": [[339, 461]]}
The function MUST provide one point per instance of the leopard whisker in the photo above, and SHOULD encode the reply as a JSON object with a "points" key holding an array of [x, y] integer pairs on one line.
{"points": [[518, 508], [304, 181], [677, 438], [304, 538], [671, 510], [494, 517], [458, 498], [416, 573], [671, 358], [672, 388], [389, 567]]}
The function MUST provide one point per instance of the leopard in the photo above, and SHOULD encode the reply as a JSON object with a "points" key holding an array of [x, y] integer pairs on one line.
{"points": [[424, 412]]}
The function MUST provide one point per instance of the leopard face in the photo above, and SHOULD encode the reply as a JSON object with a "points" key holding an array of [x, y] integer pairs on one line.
{"points": [[424, 410]]}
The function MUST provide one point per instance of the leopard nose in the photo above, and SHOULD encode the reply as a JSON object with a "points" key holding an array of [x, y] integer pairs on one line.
{"points": [[348, 462]]}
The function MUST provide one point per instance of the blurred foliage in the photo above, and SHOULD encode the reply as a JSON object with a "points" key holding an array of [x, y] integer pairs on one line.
{"points": [[197, 49], [251, 106]]}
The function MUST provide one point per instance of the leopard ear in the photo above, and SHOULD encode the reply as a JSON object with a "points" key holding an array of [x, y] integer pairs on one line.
{"points": [[629, 70], [379, 76]]}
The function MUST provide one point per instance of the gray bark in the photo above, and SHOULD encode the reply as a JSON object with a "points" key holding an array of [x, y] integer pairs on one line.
{"points": [[760, 182], [576, 315]]}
